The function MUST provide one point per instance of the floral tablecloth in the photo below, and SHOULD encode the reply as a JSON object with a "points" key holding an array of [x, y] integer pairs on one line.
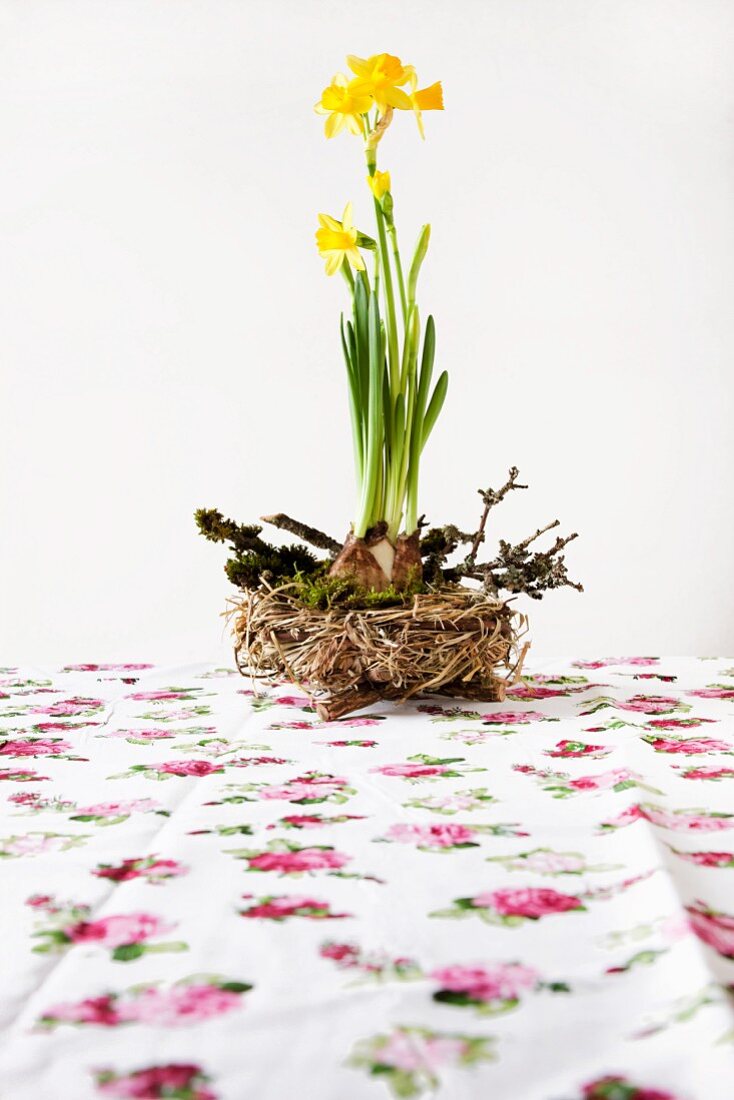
{"points": [[208, 894]]}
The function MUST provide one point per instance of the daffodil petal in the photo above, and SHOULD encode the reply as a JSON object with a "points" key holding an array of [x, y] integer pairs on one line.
{"points": [[429, 99], [395, 97]]}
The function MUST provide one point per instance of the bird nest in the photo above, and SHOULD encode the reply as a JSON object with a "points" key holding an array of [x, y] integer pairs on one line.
{"points": [[450, 640]]}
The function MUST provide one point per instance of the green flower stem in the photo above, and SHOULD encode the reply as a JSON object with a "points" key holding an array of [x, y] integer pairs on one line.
{"points": [[348, 277], [391, 405], [371, 481], [398, 268], [391, 319]]}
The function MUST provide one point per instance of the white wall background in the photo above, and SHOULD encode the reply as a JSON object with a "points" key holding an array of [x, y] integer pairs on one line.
{"points": [[168, 338]]}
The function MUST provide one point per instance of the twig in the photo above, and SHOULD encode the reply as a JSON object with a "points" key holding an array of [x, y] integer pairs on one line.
{"points": [[541, 531], [490, 498], [309, 534]]}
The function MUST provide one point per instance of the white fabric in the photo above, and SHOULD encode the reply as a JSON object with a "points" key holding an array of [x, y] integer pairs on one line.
{"points": [[612, 829]]}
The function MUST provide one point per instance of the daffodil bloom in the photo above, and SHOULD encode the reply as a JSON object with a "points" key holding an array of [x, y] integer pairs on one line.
{"points": [[337, 241], [343, 106], [425, 99], [380, 76], [379, 184]]}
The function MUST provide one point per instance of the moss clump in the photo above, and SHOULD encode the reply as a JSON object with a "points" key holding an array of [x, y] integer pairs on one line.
{"points": [[322, 592], [252, 559]]}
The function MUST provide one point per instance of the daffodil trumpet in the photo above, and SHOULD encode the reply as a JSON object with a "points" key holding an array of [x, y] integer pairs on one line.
{"points": [[389, 355]]}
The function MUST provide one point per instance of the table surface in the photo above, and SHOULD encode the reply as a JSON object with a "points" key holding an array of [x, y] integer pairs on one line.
{"points": [[210, 895]]}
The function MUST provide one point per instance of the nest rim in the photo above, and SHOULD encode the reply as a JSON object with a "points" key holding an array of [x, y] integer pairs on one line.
{"points": [[447, 640]]}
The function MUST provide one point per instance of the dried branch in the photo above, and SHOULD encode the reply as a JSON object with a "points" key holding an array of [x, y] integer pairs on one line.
{"points": [[311, 535], [491, 498], [516, 570], [541, 531]]}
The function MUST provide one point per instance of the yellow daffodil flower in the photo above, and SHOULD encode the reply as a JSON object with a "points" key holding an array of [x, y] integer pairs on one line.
{"points": [[380, 76], [343, 106], [379, 184], [337, 241], [425, 99]]}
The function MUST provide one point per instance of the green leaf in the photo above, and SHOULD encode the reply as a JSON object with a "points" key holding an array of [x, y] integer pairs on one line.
{"points": [[235, 987], [435, 405], [374, 438], [418, 257], [126, 952]]}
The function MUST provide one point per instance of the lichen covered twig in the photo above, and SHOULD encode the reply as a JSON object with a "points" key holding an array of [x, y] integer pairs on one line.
{"points": [[311, 535], [514, 569]]}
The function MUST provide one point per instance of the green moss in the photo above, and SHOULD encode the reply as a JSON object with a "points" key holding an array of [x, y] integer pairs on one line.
{"points": [[322, 592], [253, 559]]}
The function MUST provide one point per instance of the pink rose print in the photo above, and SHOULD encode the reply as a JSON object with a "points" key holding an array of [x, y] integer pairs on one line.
{"points": [[349, 744], [314, 821], [180, 1004], [177, 1079], [410, 771], [604, 662], [523, 692], [300, 701], [280, 908], [715, 691], [150, 868], [370, 964], [64, 924], [408, 1059], [688, 745], [677, 723], [687, 820], [27, 798], [37, 843], [92, 1010], [304, 821], [143, 735], [620, 1088], [706, 859], [54, 727], [162, 696], [106, 668], [298, 861], [543, 861], [531, 903], [21, 775], [116, 931], [310, 788], [433, 836], [708, 773], [421, 767], [354, 723], [294, 725], [188, 1002], [117, 809], [699, 821], [576, 750], [496, 988], [513, 717], [510, 907], [68, 708], [195, 768], [604, 781], [35, 746], [649, 704], [715, 928]]}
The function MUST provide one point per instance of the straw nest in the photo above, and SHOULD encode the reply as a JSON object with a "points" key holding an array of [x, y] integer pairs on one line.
{"points": [[452, 641]]}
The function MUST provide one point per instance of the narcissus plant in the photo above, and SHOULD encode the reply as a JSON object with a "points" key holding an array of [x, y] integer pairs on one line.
{"points": [[399, 608], [389, 353]]}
